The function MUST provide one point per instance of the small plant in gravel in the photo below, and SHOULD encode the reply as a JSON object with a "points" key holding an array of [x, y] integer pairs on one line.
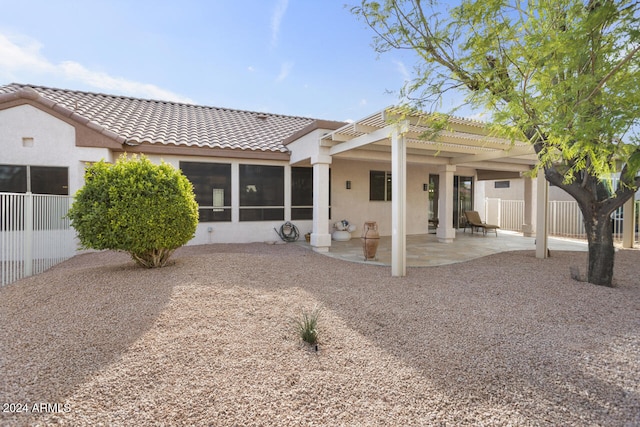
{"points": [[306, 324]]}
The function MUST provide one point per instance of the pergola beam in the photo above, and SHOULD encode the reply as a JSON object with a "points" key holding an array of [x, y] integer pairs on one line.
{"points": [[360, 141], [492, 155]]}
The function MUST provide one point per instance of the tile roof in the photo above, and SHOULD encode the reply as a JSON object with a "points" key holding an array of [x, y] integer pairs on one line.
{"points": [[135, 121]]}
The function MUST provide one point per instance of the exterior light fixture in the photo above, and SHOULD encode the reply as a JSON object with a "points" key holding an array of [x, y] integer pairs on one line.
{"points": [[348, 185]]}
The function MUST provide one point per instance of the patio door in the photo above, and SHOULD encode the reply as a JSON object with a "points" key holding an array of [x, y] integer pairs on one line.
{"points": [[434, 194], [462, 198]]}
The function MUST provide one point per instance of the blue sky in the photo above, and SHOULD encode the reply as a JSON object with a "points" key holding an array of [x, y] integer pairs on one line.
{"points": [[297, 57]]}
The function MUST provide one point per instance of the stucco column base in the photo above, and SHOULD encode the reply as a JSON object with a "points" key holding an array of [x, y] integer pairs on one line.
{"points": [[528, 231], [320, 242], [446, 235]]}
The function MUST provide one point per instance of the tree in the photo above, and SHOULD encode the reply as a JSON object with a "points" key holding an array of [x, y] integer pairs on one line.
{"points": [[135, 206], [563, 75]]}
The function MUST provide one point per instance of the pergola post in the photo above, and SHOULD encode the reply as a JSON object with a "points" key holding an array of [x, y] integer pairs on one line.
{"points": [[446, 233], [628, 223], [398, 202], [527, 227], [542, 216], [320, 236]]}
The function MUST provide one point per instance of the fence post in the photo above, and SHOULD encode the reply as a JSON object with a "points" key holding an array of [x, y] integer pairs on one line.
{"points": [[28, 234], [542, 216]]}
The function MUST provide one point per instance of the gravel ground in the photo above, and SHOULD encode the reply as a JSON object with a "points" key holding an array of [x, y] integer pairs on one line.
{"points": [[502, 340]]}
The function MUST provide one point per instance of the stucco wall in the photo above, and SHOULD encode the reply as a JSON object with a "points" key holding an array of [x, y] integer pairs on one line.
{"points": [[354, 204], [516, 191], [54, 143]]}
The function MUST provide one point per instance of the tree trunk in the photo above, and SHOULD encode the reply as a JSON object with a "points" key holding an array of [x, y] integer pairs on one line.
{"points": [[601, 251], [152, 259]]}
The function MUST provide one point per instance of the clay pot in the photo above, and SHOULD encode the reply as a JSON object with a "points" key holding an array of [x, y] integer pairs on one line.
{"points": [[370, 239]]}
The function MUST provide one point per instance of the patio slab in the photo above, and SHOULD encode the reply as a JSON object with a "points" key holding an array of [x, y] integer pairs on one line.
{"points": [[424, 250]]}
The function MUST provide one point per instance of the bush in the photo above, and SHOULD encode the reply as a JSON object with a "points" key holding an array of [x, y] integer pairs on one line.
{"points": [[135, 206], [307, 325]]}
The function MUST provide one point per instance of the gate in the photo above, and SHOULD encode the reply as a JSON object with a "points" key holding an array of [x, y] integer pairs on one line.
{"points": [[35, 234]]}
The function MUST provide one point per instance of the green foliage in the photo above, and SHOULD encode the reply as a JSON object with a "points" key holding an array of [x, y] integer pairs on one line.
{"points": [[563, 75], [306, 324], [135, 206], [566, 73]]}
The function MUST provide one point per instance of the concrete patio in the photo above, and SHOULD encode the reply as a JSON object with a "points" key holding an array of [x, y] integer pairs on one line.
{"points": [[424, 250]]}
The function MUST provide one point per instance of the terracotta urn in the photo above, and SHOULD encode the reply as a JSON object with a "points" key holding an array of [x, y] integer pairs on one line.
{"points": [[370, 239]]}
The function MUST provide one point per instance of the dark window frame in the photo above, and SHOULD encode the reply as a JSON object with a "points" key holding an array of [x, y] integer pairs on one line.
{"points": [[261, 192], [301, 193], [35, 179], [380, 186], [209, 177]]}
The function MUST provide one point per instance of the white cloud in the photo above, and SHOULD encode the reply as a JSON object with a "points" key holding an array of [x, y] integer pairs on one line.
{"points": [[23, 56], [276, 20], [250, 69], [285, 70], [26, 55], [402, 69]]}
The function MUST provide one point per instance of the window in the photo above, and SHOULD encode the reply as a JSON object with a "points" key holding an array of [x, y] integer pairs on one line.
{"points": [[49, 180], [48, 213], [261, 193], [301, 193], [501, 184], [36, 179], [434, 195], [380, 185], [13, 179], [462, 199], [212, 187]]}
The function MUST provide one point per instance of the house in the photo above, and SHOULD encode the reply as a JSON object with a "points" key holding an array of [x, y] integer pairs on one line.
{"points": [[253, 171]]}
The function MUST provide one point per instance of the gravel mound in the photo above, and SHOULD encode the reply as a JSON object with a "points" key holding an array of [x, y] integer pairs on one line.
{"points": [[503, 340]]}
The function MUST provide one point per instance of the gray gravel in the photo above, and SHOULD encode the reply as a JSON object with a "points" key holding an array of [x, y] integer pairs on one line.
{"points": [[502, 340]]}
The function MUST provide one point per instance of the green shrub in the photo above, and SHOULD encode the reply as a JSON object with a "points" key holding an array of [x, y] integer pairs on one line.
{"points": [[135, 206], [307, 325]]}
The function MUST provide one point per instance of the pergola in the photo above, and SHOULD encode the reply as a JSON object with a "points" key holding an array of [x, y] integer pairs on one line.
{"points": [[409, 138]]}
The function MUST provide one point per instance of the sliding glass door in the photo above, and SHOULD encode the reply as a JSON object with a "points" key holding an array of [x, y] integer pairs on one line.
{"points": [[462, 199]]}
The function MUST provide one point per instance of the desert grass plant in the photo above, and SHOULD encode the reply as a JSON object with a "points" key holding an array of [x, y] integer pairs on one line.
{"points": [[306, 324]]}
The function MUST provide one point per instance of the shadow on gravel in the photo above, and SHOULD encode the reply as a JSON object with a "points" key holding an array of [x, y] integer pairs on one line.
{"points": [[508, 332], [60, 327]]}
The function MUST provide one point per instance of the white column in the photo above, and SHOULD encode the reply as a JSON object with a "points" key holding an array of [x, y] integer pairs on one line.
{"points": [[398, 203], [542, 215], [527, 227], [287, 193], [320, 236], [446, 233], [628, 223]]}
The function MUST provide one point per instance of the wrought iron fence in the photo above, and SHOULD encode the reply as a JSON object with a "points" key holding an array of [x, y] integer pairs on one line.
{"points": [[35, 234]]}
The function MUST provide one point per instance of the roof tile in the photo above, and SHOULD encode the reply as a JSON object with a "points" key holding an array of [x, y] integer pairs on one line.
{"points": [[138, 121]]}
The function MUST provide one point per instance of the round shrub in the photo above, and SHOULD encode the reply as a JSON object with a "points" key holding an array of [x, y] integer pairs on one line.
{"points": [[135, 206]]}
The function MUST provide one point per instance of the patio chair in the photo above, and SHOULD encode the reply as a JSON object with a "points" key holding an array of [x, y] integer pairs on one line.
{"points": [[474, 222]]}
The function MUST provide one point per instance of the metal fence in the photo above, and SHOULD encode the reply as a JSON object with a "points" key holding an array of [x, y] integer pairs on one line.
{"points": [[34, 234], [565, 217]]}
